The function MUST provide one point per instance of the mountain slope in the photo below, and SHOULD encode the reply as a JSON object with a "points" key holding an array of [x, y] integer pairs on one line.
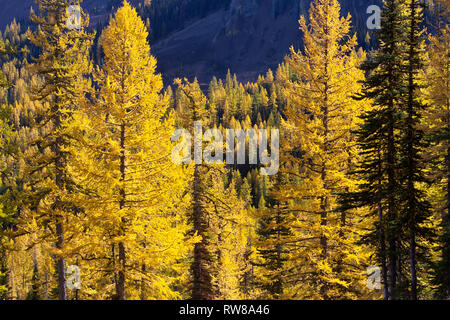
{"points": [[249, 37], [202, 38], [20, 9]]}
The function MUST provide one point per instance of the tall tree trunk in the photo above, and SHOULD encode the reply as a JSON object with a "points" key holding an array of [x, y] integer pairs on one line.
{"points": [[202, 282], [446, 213], [324, 200], [197, 263], [382, 233], [248, 272], [4, 273], [446, 236], [121, 277], [445, 223], [323, 223], [279, 286], [122, 256], [412, 263], [219, 258], [59, 179], [62, 295], [391, 232], [411, 155]]}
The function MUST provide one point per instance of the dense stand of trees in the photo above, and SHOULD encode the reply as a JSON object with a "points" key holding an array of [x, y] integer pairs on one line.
{"points": [[164, 17], [87, 176]]}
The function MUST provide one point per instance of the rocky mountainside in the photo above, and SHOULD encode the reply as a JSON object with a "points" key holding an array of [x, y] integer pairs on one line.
{"points": [[202, 38], [248, 37]]}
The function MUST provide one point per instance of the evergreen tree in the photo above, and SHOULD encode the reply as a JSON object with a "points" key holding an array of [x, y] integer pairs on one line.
{"points": [[437, 120], [320, 118], [63, 64], [378, 140], [129, 190], [216, 212], [202, 273], [415, 209], [6, 209], [274, 246]]}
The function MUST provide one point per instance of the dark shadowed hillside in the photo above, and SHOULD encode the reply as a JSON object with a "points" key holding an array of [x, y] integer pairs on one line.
{"points": [[202, 38], [248, 37], [20, 9]]}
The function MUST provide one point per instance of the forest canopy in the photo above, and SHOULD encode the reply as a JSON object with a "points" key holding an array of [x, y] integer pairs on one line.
{"points": [[93, 207]]}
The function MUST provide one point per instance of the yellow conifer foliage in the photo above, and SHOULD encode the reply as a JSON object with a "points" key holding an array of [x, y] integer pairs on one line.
{"points": [[130, 192], [320, 148]]}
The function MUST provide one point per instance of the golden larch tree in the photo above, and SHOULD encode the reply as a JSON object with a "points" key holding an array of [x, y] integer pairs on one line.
{"points": [[130, 191], [320, 151]]}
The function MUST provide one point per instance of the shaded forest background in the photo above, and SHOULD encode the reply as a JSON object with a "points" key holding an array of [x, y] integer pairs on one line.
{"points": [[205, 38]]}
